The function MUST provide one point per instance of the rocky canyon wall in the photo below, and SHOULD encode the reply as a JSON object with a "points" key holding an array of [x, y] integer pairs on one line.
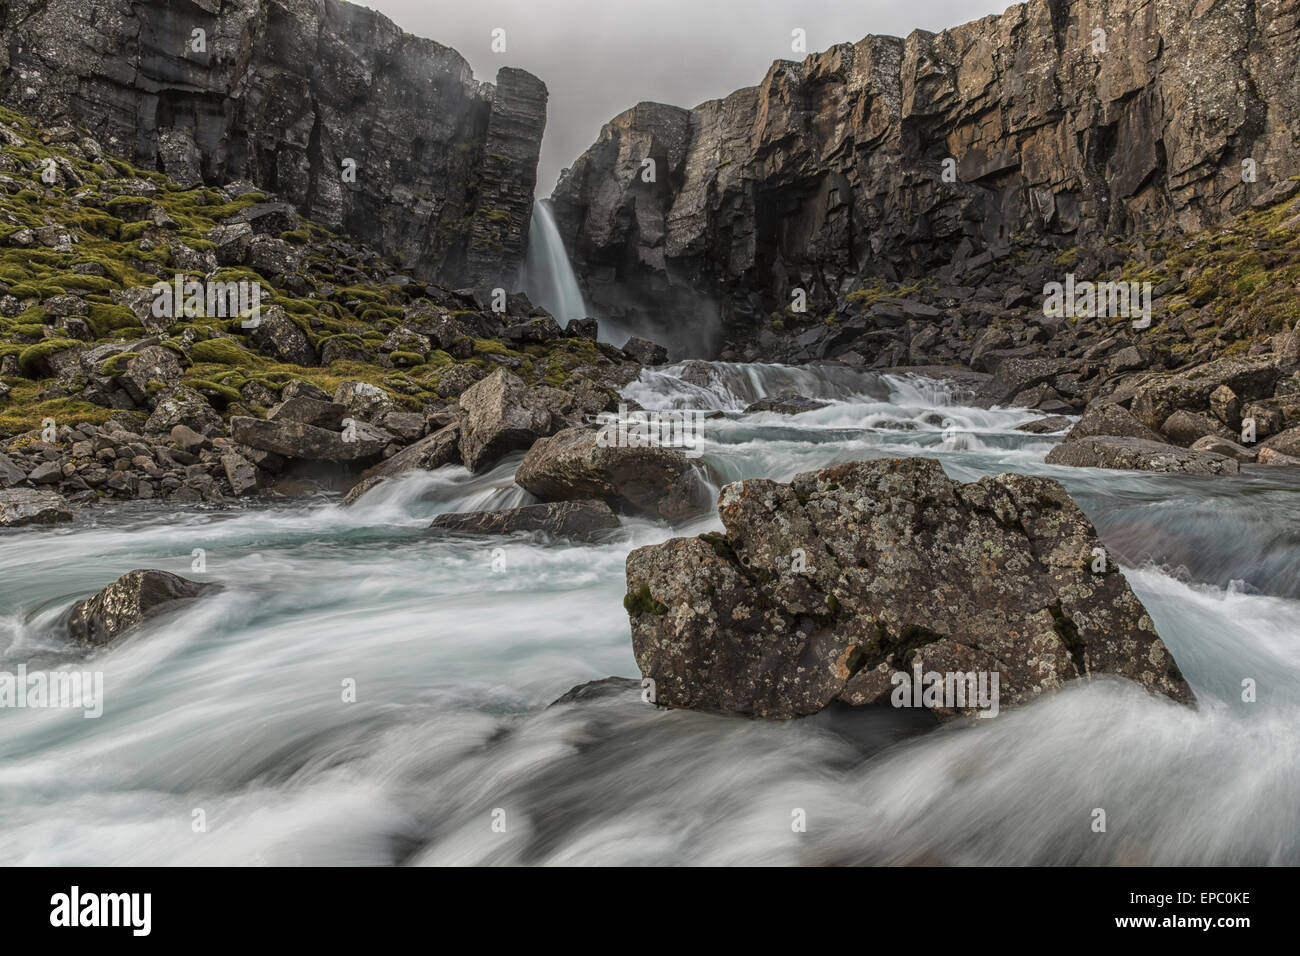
{"points": [[282, 92], [1068, 122]]}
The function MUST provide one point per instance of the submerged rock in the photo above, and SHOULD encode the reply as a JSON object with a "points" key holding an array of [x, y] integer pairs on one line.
{"points": [[654, 481], [601, 689], [826, 588], [1138, 454], [24, 506], [787, 403], [133, 598], [580, 520]]}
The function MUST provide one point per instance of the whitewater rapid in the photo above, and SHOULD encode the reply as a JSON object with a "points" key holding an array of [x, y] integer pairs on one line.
{"points": [[235, 713]]}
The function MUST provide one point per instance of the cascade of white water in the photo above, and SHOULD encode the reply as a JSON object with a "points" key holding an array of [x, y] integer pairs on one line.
{"points": [[548, 276]]}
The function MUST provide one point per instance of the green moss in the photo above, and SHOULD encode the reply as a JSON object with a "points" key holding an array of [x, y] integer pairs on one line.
{"points": [[24, 414], [116, 365], [222, 352], [220, 395], [107, 319], [29, 359], [642, 601], [406, 358]]}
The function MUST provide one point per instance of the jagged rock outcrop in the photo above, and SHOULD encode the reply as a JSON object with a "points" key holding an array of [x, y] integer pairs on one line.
{"points": [[1069, 120], [282, 93], [826, 588]]}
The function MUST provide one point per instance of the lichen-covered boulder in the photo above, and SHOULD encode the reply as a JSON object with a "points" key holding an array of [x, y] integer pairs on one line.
{"points": [[825, 588]]}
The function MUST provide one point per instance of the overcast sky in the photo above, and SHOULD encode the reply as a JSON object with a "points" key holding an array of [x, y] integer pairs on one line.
{"points": [[598, 57]]}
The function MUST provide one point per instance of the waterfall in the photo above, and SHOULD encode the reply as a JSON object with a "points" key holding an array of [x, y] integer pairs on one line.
{"points": [[548, 276]]}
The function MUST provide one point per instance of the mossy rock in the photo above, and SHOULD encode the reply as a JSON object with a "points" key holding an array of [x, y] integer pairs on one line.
{"points": [[222, 352], [116, 365], [32, 358], [107, 319]]}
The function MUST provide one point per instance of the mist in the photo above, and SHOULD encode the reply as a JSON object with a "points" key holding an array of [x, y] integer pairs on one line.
{"points": [[597, 59]]}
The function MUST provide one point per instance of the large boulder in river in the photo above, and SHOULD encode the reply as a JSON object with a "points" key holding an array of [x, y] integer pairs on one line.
{"points": [[579, 520], [1137, 454], [654, 480], [24, 506], [501, 415], [826, 588], [133, 598]]}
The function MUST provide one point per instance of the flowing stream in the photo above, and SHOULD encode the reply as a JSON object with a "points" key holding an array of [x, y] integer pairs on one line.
{"points": [[458, 645]]}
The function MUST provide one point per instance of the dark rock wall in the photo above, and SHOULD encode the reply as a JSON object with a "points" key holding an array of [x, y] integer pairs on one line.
{"points": [[831, 169], [285, 92]]}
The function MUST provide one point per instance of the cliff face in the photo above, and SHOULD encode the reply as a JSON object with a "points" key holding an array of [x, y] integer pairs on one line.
{"points": [[833, 169], [282, 92]]}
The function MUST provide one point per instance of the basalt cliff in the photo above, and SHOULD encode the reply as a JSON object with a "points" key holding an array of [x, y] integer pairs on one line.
{"points": [[284, 93], [1059, 125]]}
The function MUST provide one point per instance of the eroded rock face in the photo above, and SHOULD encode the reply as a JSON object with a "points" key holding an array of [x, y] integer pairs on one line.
{"points": [[134, 597], [284, 92], [824, 588], [832, 168]]}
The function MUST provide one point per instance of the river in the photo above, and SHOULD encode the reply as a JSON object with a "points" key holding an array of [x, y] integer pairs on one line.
{"points": [[226, 737]]}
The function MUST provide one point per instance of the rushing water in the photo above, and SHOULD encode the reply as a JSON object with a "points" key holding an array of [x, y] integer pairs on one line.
{"points": [[548, 276], [458, 645]]}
